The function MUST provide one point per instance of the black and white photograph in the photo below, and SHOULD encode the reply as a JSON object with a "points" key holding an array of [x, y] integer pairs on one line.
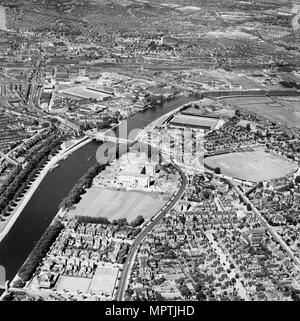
{"points": [[149, 154]]}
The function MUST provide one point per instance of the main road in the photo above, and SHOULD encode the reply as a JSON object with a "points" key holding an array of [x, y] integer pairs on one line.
{"points": [[148, 228]]}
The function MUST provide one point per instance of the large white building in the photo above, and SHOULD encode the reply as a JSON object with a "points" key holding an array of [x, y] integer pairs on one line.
{"points": [[129, 180], [2, 18], [136, 172]]}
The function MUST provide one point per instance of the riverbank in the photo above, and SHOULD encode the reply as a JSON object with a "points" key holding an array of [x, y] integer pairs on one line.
{"points": [[8, 224], [161, 120], [44, 204]]}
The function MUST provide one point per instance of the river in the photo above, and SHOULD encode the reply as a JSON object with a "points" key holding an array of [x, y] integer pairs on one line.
{"points": [[43, 205]]}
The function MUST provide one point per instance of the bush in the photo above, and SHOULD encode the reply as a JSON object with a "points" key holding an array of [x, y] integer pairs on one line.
{"points": [[138, 221]]}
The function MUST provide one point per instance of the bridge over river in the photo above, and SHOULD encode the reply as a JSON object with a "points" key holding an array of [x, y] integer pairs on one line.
{"points": [[108, 138]]}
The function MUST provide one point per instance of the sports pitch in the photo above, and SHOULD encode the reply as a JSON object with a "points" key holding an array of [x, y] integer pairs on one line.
{"points": [[284, 111], [73, 284], [101, 202], [253, 166], [104, 280]]}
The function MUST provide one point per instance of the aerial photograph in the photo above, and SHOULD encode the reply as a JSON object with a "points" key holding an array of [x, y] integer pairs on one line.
{"points": [[149, 151]]}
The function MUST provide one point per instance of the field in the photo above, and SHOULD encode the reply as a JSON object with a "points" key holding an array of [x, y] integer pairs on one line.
{"points": [[281, 110], [101, 202], [72, 284], [253, 166], [104, 280]]}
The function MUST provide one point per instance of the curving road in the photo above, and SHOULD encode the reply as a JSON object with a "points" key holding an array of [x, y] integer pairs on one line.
{"points": [[150, 225]]}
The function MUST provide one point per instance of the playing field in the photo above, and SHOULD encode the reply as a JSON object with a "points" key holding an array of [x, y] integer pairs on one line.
{"points": [[253, 166], [72, 284], [281, 110], [104, 280], [101, 202]]}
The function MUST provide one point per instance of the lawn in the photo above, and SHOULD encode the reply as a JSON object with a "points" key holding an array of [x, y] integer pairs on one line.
{"points": [[72, 284], [104, 280], [283, 111], [253, 166], [101, 202]]}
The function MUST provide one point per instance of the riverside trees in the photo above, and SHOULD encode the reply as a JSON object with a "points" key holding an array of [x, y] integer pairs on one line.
{"points": [[79, 189], [18, 181], [40, 250]]}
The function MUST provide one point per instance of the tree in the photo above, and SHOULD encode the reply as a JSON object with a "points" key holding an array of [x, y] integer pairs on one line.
{"points": [[217, 170], [182, 219], [138, 221], [201, 296], [237, 113], [206, 194], [198, 286], [184, 290], [40, 250]]}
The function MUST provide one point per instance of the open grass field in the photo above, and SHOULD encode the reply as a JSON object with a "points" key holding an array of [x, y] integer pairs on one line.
{"points": [[73, 284], [283, 111], [253, 166], [101, 202], [104, 280]]}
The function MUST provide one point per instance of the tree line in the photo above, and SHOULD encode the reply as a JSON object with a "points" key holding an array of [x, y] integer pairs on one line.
{"points": [[18, 181], [40, 250], [86, 181], [139, 220]]}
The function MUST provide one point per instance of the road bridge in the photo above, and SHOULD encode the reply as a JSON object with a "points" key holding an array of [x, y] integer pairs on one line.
{"points": [[107, 138]]}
